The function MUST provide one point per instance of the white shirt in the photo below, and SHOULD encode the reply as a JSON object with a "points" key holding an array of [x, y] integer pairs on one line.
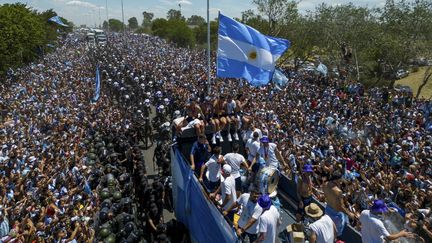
{"points": [[372, 228], [234, 160], [269, 155], [214, 169], [324, 229], [268, 224], [249, 210], [249, 134], [228, 188], [253, 147]]}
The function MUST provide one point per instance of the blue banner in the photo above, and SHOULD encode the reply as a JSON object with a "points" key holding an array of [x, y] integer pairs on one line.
{"points": [[97, 91], [192, 208]]}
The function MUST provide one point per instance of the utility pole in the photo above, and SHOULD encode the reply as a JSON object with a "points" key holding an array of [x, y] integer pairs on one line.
{"points": [[123, 19], [208, 49], [106, 8]]}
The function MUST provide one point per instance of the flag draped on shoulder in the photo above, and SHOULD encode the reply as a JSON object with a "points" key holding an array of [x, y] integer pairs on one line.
{"points": [[243, 52], [57, 20], [97, 91]]}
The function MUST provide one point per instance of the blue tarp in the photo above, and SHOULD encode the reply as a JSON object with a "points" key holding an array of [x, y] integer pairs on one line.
{"points": [[205, 223]]}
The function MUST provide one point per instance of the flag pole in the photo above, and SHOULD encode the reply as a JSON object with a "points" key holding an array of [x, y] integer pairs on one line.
{"points": [[208, 49]]}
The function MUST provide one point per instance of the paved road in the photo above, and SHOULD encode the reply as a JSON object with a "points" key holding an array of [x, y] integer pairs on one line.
{"points": [[152, 169]]}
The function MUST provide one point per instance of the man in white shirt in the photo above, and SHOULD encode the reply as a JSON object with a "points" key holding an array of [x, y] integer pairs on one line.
{"points": [[323, 230], [270, 153], [227, 189], [213, 166], [372, 227], [252, 147], [236, 161], [268, 222], [251, 211]]}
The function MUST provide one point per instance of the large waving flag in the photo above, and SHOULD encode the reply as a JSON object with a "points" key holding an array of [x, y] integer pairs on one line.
{"points": [[97, 92], [243, 52], [57, 20]]}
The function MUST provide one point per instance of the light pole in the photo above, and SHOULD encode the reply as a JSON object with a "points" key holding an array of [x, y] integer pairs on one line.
{"points": [[106, 9], [123, 19], [208, 48]]}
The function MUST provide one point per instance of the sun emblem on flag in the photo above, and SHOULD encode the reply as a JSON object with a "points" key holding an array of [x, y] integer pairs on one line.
{"points": [[252, 55]]}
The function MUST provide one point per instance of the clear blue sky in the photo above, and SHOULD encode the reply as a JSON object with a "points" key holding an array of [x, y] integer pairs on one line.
{"points": [[87, 11]]}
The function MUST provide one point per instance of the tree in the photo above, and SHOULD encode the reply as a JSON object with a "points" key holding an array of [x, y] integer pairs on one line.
{"points": [[105, 25], [133, 23], [115, 25], [173, 14], [195, 20], [24, 34], [160, 27], [147, 19], [278, 12], [180, 33]]}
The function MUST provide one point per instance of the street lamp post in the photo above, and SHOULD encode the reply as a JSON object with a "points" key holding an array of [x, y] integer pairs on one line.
{"points": [[208, 48], [106, 9], [123, 19]]}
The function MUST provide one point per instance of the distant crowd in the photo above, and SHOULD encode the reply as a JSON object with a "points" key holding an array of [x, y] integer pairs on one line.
{"points": [[356, 149]]}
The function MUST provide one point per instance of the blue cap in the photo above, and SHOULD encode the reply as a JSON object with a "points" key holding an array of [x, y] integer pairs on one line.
{"points": [[307, 168], [264, 201], [379, 206], [264, 140]]}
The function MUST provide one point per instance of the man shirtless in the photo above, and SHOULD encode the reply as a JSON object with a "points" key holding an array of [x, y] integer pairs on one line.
{"points": [[220, 114], [304, 189], [230, 107], [194, 118], [335, 202], [207, 108]]}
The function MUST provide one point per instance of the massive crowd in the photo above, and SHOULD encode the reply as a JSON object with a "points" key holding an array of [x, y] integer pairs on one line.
{"points": [[71, 169]]}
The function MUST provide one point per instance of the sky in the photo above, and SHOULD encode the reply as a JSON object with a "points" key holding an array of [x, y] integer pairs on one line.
{"points": [[93, 12]]}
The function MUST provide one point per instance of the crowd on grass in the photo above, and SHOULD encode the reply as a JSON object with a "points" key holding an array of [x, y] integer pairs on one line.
{"points": [[345, 145]]}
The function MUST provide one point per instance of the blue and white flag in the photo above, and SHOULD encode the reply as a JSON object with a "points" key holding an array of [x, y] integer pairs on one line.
{"points": [[97, 91], [279, 79], [322, 69], [57, 20], [243, 52]]}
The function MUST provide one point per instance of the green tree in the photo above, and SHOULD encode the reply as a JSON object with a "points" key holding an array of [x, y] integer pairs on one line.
{"points": [[173, 14], [22, 35], [133, 23], [115, 25], [147, 19], [195, 20], [180, 33], [160, 27], [105, 25]]}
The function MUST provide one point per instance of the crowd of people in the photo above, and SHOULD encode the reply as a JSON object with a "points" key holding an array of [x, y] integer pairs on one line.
{"points": [[66, 160]]}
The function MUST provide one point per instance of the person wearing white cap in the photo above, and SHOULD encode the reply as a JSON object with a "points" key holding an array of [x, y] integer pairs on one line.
{"points": [[227, 189]]}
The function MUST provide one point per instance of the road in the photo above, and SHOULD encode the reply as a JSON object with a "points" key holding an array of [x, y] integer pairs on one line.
{"points": [[152, 170]]}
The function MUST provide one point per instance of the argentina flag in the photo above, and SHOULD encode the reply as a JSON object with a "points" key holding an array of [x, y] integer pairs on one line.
{"points": [[57, 20], [97, 91], [243, 52]]}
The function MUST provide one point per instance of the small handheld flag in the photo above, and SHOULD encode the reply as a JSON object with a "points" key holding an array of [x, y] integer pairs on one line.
{"points": [[243, 52], [97, 91]]}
